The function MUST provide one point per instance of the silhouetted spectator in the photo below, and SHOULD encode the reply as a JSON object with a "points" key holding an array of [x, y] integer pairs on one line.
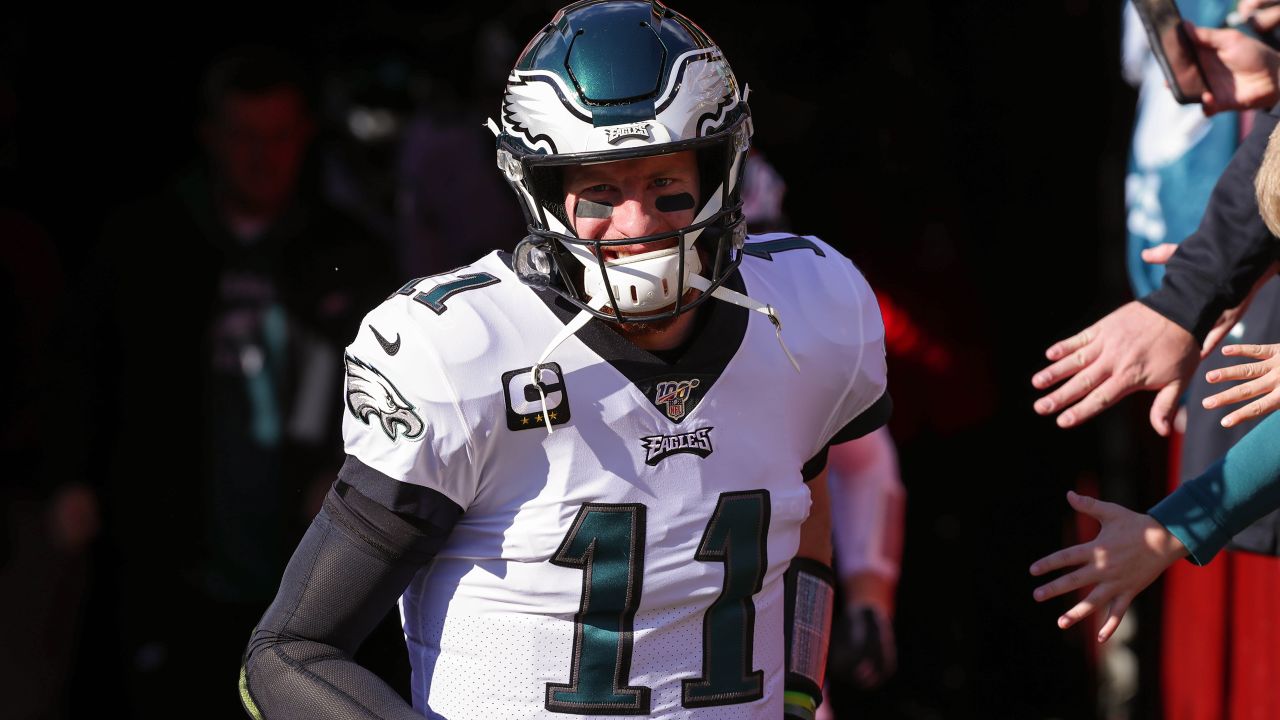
{"points": [[224, 303]]}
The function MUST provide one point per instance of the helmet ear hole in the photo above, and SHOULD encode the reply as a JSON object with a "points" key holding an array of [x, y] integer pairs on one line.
{"points": [[532, 262]]}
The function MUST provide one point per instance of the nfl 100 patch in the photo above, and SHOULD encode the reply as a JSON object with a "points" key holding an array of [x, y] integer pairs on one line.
{"points": [[676, 398]]}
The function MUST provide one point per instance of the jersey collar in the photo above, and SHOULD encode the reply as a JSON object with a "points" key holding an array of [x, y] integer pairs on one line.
{"points": [[675, 387]]}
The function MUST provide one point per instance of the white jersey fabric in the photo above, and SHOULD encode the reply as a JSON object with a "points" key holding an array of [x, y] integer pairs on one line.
{"points": [[630, 563]]}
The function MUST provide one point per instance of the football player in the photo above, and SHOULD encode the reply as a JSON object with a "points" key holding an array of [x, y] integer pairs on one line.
{"points": [[592, 470]]}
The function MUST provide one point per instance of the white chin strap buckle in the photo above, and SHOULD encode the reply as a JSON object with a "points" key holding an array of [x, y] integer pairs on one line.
{"points": [[644, 282], [737, 298]]}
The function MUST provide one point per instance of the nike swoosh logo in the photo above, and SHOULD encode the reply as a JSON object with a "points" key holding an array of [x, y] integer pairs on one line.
{"points": [[391, 347]]}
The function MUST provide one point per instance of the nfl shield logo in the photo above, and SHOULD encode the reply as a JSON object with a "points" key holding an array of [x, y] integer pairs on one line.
{"points": [[673, 394]]}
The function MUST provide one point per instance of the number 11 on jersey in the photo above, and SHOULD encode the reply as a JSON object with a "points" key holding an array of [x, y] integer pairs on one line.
{"points": [[606, 542]]}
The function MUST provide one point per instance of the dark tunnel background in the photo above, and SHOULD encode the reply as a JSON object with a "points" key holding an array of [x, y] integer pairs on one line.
{"points": [[968, 156]]}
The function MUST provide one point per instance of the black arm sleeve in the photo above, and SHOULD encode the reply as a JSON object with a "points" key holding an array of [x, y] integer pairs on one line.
{"points": [[371, 537], [1216, 266]]}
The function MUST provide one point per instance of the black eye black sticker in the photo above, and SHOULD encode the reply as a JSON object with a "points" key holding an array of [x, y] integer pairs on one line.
{"points": [[674, 203], [591, 209]]}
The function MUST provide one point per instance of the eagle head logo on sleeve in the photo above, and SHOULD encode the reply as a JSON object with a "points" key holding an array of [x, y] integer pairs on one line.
{"points": [[370, 393]]}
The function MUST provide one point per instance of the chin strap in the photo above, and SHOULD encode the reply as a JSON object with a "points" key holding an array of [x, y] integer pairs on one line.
{"points": [[695, 281], [570, 328], [737, 298]]}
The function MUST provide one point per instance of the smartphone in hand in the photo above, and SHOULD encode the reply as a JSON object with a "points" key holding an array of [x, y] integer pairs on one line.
{"points": [[1173, 48]]}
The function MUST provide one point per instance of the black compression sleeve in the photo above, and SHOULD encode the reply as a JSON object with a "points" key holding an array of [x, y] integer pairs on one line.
{"points": [[1216, 266], [352, 565]]}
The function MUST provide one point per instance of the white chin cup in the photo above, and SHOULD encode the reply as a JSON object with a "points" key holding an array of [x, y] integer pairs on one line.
{"points": [[642, 283]]}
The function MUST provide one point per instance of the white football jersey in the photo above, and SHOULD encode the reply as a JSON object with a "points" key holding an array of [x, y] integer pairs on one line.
{"points": [[631, 562]]}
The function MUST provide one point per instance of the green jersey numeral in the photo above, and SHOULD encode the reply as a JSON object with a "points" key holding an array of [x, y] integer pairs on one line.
{"points": [[606, 542], [435, 297]]}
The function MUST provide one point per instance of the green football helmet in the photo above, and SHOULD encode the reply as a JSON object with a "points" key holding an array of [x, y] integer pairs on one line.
{"points": [[610, 80]]}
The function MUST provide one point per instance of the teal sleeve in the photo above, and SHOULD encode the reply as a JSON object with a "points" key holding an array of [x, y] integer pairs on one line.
{"points": [[1205, 512]]}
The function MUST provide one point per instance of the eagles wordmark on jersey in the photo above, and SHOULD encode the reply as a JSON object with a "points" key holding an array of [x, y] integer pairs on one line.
{"points": [[630, 562]]}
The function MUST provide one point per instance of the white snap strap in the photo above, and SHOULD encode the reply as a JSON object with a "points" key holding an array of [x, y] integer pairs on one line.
{"points": [[737, 298], [565, 333]]}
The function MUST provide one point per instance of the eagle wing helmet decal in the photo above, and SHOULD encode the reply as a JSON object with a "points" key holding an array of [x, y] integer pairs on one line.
{"points": [[700, 93], [541, 100], [370, 393]]}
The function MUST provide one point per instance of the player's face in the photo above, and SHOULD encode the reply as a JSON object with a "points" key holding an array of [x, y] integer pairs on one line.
{"points": [[632, 198]]}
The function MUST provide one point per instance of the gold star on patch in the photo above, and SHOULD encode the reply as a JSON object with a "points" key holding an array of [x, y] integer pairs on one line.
{"points": [[537, 418], [552, 415], [524, 421]]}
